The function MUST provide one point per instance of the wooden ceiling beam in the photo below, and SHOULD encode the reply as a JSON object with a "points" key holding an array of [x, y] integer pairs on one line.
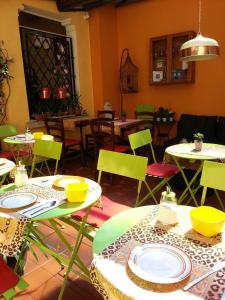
{"points": [[85, 5]]}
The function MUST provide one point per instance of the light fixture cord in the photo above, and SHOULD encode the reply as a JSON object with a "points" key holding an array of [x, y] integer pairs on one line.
{"points": [[199, 16]]}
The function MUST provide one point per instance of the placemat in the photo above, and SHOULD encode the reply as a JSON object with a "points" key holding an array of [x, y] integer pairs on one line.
{"points": [[113, 279]]}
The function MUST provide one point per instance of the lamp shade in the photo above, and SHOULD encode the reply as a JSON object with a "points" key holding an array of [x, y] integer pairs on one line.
{"points": [[199, 48]]}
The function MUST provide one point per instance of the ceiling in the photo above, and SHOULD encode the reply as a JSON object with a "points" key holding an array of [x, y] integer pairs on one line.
{"points": [[85, 5]]}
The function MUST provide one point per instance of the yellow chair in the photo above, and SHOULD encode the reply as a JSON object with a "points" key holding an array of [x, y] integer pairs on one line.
{"points": [[42, 151], [160, 170], [213, 176]]}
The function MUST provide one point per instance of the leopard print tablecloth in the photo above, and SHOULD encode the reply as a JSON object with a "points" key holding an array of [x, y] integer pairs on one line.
{"points": [[13, 224], [111, 276]]}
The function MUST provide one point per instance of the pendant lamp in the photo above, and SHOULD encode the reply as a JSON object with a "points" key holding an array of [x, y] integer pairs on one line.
{"points": [[199, 48]]}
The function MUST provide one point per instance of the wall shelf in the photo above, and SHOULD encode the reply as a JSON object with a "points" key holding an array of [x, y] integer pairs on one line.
{"points": [[166, 66]]}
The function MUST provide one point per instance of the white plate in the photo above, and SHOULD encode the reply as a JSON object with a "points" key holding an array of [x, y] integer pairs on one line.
{"points": [[160, 263], [20, 136], [2, 162], [17, 200]]}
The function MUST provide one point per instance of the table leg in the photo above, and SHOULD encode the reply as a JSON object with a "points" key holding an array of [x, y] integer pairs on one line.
{"points": [[188, 184]]}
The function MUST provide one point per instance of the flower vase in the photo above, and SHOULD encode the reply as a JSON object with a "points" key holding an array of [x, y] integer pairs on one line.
{"points": [[198, 145]]}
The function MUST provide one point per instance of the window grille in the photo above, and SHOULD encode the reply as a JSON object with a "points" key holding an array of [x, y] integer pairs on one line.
{"points": [[49, 72]]}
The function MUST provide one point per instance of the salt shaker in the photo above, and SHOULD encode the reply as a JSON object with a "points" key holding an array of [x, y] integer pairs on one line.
{"points": [[21, 177], [167, 213]]}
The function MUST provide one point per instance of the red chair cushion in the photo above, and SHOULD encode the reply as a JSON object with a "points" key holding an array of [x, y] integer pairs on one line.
{"points": [[71, 142], [9, 155], [162, 170], [6, 154], [98, 216], [117, 148], [8, 278]]}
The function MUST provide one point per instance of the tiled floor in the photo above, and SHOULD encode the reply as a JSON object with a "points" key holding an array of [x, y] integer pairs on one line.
{"points": [[45, 276]]}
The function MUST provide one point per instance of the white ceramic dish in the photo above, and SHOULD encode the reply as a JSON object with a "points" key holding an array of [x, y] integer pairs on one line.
{"points": [[17, 200], [20, 136], [159, 263]]}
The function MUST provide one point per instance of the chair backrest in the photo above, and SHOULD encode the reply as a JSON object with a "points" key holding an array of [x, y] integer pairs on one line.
{"points": [[55, 127], [7, 130], [47, 137], [46, 149], [148, 116], [144, 107], [213, 174], [122, 164], [106, 114], [102, 132], [140, 139]]}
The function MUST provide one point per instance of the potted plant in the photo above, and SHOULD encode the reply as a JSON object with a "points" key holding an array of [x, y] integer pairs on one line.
{"points": [[198, 140], [123, 116]]}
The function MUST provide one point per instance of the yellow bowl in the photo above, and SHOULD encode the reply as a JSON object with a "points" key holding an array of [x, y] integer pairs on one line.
{"points": [[38, 135], [76, 192], [207, 220]]}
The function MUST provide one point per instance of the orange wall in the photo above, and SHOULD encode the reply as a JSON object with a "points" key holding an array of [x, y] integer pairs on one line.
{"points": [[135, 25], [104, 57]]}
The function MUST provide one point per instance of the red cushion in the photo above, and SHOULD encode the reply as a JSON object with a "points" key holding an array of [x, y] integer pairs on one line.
{"points": [[8, 279], [6, 154], [98, 216], [117, 148], [162, 170], [71, 142]]}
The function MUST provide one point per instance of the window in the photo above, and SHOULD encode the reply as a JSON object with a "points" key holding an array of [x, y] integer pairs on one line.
{"points": [[48, 67]]}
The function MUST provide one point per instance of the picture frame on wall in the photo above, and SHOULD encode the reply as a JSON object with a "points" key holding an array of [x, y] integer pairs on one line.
{"points": [[157, 76]]}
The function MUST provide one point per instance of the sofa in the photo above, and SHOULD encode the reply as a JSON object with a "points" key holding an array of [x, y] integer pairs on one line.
{"points": [[213, 128]]}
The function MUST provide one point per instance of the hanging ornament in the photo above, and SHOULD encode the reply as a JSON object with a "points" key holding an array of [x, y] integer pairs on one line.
{"points": [[61, 93], [128, 74], [45, 93]]}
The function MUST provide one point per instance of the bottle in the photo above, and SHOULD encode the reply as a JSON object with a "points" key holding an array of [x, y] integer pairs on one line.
{"points": [[28, 135], [21, 177], [167, 213]]}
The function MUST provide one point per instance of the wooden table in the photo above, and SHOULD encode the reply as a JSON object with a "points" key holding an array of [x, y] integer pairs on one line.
{"points": [[112, 277]]}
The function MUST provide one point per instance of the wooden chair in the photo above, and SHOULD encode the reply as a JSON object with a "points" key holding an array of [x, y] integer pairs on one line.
{"points": [[55, 127], [104, 115], [213, 174], [44, 150], [104, 137], [9, 281], [160, 170]]}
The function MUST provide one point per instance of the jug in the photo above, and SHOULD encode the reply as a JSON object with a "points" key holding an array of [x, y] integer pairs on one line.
{"points": [[167, 213], [21, 177]]}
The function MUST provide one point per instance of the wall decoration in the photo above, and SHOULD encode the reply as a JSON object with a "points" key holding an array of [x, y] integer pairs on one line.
{"points": [[128, 75]]}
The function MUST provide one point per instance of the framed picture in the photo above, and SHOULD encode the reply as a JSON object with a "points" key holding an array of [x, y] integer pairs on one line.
{"points": [[157, 76]]}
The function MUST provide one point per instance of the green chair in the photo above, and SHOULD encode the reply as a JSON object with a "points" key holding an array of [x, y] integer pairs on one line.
{"points": [[7, 130], [146, 112], [213, 174], [47, 137], [160, 170], [114, 163], [42, 151], [145, 107]]}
